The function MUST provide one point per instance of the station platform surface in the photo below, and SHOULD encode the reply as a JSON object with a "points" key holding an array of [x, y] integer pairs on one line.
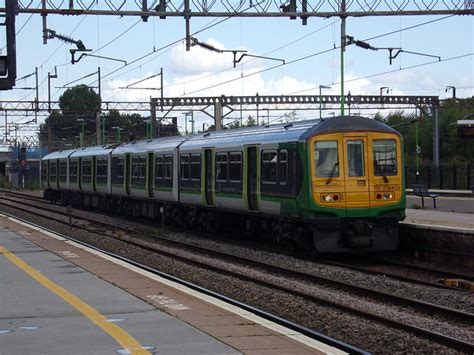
{"points": [[451, 212], [57, 297]]}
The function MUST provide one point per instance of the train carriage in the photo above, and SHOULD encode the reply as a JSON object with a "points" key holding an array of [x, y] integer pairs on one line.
{"points": [[332, 185], [55, 170]]}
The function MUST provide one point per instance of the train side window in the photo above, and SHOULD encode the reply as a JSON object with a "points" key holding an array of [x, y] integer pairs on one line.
{"points": [[283, 167], [52, 171], [235, 166], [73, 170], [62, 171], [269, 166], [117, 170], [86, 171], [184, 166], [385, 157], [159, 167], [168, 167], [355, 158], [102, 166], [195, 168], [326, 158], [221, 167], [44, 170]]}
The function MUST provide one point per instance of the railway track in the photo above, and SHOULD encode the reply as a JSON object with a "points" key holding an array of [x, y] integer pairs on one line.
{"points": [[281, 277], [354, 264]]}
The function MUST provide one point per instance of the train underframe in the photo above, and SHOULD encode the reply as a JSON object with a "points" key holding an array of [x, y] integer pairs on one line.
{"points": [[323, 235]]}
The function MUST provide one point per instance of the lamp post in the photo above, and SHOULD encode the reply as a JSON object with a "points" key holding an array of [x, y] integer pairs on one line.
{"points": [[450, 87], [321, 87], [82, 131], [383, 88], [186, 114], [118, 137]]}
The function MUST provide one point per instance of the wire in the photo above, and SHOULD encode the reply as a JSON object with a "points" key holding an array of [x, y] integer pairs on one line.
{"points": [[205, 28], [317, 54], [394, 71]]}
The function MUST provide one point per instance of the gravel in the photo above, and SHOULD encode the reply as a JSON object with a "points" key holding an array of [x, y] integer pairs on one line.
{"points": [[333, 322]]}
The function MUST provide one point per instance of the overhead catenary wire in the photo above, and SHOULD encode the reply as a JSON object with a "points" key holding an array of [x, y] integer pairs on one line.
{"points": [[314, 55]]}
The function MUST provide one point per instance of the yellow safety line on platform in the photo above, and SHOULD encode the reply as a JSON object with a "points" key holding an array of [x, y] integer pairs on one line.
{"points": [[128, 342]]}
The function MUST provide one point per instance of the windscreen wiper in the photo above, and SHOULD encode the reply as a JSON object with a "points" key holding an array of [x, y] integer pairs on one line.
{"points": [[333, 171], [382, 171]]}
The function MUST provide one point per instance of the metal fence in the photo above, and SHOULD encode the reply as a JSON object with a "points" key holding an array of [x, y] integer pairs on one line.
{"points": [[449, 177]]}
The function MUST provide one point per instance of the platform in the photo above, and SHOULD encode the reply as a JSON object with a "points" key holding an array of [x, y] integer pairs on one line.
{"points": [[56, 297]]}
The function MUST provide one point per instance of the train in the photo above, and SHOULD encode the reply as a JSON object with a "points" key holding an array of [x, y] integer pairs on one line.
{"points": [[328, 185]]}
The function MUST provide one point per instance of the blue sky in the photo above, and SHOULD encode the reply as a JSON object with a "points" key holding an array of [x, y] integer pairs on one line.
{"points": [[200, 72]]}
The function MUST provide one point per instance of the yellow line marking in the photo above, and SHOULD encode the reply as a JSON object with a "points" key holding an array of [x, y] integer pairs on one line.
{"points": [[128, 342]]}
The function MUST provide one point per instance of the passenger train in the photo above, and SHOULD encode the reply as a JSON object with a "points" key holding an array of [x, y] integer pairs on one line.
{"points": [[332, 185]]}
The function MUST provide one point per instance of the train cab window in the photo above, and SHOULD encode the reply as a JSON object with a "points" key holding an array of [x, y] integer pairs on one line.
{"points": [[283, 166], [269, 166], [195, 168], [73, 171], [102, 166], [168, 167], [52, 171], [355, 158], [117, 170], [184, 166], [235, 166], [86, 171], [221, 167], [62, 171], [385, 157], [326, 159]]}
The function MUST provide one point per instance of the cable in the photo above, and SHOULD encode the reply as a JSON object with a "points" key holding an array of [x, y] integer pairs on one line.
{"points": [[394, 71], [177, 41], [317, 54]]}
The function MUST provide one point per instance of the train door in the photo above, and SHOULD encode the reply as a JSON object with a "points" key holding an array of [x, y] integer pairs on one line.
{"points": [[252, 178], [127, 167], [150, 178], [356, 172], [208, 177]]}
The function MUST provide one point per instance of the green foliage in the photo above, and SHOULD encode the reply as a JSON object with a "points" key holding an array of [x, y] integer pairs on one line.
{"points": [[250, 122], [453, 149]]}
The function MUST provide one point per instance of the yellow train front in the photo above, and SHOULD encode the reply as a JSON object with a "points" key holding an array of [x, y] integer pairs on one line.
{"points": [[357, 192]]}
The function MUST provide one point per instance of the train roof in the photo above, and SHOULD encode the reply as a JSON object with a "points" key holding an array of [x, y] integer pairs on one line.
{"points": [[150, 145], [60, 154], [286, 132], [93, 151]]}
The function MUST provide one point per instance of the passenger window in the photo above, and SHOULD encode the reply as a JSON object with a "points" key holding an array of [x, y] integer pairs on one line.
{"points": [[355, 158], [102, 165], [168, 167], [159, 167], [195, 168], [385, 157], [269, 166], [62, 170], [235, 166], [86, 171], [184, 159], [221, 167], [117, 170], [73, 170], [283, 167], [326, 159], [44, 170]]}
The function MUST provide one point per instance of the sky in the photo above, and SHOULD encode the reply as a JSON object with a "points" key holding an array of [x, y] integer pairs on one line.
{"points": [[308, 51]]}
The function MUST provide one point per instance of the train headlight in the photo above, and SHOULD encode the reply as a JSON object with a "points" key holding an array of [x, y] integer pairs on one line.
{"points": [[388, 196], [384, 196], [330, 197]]}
